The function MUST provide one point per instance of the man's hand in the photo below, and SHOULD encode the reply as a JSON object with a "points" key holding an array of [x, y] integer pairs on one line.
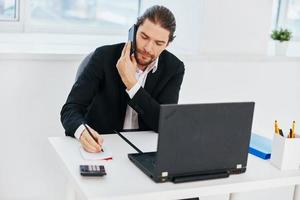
{"points": [[88, 143], [127, 66]]}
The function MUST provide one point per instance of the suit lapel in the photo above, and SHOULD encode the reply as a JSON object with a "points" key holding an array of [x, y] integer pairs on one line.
{"points": [[124, 98]]}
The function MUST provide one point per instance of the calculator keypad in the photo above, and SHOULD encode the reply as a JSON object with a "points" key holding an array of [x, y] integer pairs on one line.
{"points": [[92, 170]]}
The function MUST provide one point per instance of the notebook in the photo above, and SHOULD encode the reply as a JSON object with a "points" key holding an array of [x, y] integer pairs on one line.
{"points": [[105, 155], [260, 146]]}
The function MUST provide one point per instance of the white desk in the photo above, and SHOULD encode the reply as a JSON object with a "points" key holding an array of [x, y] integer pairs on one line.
{"points": [[124, 181]]}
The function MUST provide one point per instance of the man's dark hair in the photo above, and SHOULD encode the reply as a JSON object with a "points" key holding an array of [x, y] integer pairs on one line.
{"points": [[162, 16]]}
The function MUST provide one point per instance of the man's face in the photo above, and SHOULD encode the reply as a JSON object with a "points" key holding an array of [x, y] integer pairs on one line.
{"points": [[151, 40]]}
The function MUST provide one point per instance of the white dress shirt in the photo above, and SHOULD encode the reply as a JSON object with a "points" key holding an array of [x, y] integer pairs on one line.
{"points": [[131, 117]]}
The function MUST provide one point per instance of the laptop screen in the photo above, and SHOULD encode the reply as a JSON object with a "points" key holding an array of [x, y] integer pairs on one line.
{"points": [[204, 137]]}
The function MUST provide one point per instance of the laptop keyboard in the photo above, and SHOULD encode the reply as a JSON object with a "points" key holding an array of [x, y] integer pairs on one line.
{"points": [[149, 159]]}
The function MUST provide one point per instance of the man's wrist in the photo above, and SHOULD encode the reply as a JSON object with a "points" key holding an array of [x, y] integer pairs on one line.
{"points": [[130, 84], [79, 131], [133, 90]]}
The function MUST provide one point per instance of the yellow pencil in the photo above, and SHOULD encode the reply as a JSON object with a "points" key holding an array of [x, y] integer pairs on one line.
{"points": [[293, 129], [276, 127]]}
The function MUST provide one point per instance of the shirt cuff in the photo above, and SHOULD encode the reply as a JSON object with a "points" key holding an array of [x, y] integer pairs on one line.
{"points": [[133, 90], [79, 131]]}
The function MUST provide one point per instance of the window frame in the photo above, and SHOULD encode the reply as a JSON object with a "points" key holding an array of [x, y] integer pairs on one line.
{"points": [[17, 17], [281, 17], [22, 24], [15, 25]]}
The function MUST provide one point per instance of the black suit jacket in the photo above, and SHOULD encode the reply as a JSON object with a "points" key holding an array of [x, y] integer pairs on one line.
{"points": [[99, 97]]}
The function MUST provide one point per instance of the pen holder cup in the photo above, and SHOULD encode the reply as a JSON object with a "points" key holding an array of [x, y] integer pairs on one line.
{"points": [[285, 152]]}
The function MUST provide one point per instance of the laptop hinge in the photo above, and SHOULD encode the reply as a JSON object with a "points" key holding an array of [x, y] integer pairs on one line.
{"points": [[197, 177]]}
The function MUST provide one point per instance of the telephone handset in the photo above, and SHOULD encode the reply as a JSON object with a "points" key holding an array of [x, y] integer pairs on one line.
{"points": [[132, 38]]}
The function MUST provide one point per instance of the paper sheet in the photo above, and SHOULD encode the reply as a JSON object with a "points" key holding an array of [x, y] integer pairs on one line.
{"points": [[105, 155]]}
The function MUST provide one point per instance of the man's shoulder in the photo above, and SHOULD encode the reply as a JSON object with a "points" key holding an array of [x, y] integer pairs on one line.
{"points": [[113, 49], [170, 59]]}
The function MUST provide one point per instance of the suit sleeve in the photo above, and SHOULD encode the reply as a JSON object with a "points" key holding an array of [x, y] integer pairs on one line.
{"points": [[81, 95], [148, 108]]}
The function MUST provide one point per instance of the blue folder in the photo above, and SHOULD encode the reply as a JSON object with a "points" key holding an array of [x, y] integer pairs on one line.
{"points": [[260, 146]]}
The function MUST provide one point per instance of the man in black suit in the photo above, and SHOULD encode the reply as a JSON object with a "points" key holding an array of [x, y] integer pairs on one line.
{"points": [[118, 91]]}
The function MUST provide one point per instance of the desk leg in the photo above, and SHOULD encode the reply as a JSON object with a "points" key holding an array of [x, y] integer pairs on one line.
{"points": [[70, 192], [297, 192]]}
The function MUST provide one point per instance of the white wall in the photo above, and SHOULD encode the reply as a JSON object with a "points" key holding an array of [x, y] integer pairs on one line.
{"points": [[272, 83], [220, 27]]}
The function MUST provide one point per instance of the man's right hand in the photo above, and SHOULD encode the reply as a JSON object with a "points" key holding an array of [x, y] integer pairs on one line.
{"points": [[127, 66], [88, 143]]}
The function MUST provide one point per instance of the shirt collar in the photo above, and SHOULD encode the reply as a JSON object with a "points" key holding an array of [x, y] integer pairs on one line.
{"points": [[155, 65]]}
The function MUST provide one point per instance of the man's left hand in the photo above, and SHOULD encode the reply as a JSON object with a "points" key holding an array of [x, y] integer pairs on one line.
{"points": [[127, 66]]}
